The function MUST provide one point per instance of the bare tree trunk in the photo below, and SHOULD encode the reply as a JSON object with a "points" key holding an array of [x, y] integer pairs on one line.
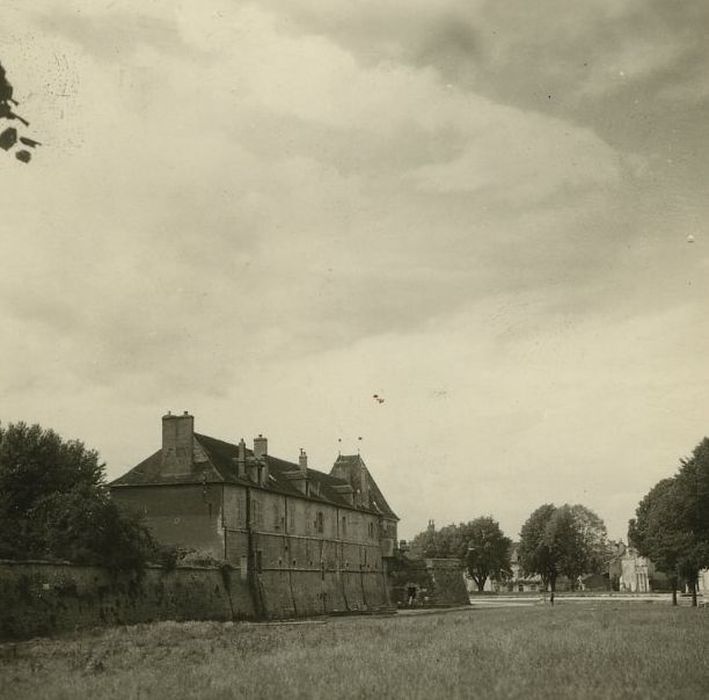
{"points": [[693, 588], [674, 594]]}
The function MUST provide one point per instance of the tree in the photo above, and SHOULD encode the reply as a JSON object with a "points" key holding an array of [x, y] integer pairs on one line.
{"points": [[595, 538], [671, 526], [479, 544], [534, 554], [488, 550], [54, 503], [692, 488], [446, 542], [654, 532], [568, 541]]}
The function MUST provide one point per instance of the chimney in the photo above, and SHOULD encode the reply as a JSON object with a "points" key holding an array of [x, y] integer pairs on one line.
{"points": [[299, 476], [260, 446], [241, 460], [177, 442]]}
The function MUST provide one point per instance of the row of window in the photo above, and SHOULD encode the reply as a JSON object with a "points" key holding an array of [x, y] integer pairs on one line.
{"points": [[258, 561], [318, 524]]}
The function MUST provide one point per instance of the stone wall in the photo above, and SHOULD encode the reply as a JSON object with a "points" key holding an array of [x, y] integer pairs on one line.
{"points": [[41, 598], [436, 582]]}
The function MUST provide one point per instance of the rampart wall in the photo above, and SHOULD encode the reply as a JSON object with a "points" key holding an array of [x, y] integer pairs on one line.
{"points": [[42, 598]]}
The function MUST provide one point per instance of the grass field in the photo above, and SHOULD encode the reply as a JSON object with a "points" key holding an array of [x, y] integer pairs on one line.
{"points": [[576, 650]]}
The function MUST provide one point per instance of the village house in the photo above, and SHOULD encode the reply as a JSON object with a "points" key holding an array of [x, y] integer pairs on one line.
{"points": [[304, 541]]}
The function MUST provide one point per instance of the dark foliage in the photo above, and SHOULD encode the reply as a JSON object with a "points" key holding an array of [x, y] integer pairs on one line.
{"points": [[488, 551], [54, 504], [480, 545], [671, 524], [563, 541]]}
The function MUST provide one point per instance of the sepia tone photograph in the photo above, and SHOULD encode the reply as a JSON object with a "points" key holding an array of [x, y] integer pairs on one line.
{"points": [[354, 349]]}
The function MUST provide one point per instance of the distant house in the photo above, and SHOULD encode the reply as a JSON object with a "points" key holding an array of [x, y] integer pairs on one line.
{"points": [[307, 541], [630, 572], [636, 572]]}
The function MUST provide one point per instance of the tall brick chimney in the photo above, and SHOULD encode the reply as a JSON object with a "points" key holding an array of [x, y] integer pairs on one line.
{"points": [[303, 461], [177, 442], [260, 446]]}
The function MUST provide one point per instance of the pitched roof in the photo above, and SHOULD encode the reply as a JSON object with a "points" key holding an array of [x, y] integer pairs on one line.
{"points": [[350, 465], [214, 461]]}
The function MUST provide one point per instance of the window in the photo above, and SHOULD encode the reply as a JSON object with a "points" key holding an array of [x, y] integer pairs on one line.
{"points": [[370, 529], [343, 529], [319, 522], [276, 517]]}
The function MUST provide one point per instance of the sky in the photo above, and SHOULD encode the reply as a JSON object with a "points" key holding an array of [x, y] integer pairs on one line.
{"points": [[492, 215]]}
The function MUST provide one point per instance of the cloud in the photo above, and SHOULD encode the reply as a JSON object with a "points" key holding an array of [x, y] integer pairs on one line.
{"points": [[112, 33], [266, 213], [543, 158]]}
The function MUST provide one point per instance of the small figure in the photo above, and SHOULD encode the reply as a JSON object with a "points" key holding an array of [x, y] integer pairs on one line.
{"points": [[411, 595]]}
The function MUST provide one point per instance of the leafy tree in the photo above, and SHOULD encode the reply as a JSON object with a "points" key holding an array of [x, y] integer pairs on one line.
{"points": [[671, 526], [692, 490], [654, 531], [562, 541], [54, 503], [446, 542], [86, 527], [479, 544], [488, 550], [535, 554], [595, 537]]}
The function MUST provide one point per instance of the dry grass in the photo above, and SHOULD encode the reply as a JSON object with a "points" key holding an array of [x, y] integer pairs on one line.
{"points": [[577, 650]]}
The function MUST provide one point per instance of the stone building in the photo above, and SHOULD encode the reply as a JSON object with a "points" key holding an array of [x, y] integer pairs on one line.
{"points": [[303, 541]]}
